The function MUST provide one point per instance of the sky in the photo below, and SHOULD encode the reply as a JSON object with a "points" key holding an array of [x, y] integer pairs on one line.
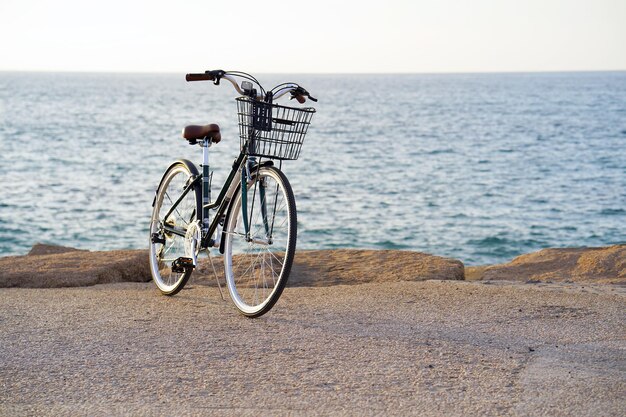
{"points": [[316, 36]]}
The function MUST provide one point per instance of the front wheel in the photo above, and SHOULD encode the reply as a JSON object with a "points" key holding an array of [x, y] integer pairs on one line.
{"points": [[258, 258]]}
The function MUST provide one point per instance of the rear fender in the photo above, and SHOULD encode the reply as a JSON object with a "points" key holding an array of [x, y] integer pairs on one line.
{"points": [[190, 166]]}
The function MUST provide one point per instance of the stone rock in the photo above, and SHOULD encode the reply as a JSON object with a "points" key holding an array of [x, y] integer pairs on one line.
{"points": [[350, 266], [49, 266], [47, 249], [600, 265]]}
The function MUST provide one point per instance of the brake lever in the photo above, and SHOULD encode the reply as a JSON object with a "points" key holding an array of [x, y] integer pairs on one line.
{"points": [[300, 94], [217, 74]]}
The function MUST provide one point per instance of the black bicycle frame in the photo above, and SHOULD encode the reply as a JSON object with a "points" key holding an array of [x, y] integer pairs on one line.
{"points": [[222, 202]]}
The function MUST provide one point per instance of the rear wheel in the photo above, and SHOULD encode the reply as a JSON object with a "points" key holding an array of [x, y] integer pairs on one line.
{"points": [[169, 250], [257, 263]]}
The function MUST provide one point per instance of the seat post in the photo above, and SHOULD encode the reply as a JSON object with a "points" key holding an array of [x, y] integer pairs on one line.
{"points": [[206, 181]]}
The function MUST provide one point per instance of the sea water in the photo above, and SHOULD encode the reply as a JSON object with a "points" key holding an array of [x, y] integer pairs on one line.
{"points": [[479, 167]]}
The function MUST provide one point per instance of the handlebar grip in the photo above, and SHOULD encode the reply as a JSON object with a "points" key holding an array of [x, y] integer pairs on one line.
{"points": [[199, 77]]}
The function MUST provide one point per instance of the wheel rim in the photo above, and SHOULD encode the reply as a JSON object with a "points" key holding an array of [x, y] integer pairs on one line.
{"points": [[255, 267], [162, 255]]}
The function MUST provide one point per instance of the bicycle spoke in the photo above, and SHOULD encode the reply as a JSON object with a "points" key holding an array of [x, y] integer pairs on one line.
{"points": [[277, 260], [169, 248], [246, 270], [177, 210], [249, 267], [271, 265]]}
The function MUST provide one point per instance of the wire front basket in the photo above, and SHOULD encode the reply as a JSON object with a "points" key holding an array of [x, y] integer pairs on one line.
{"points": [[271, 130]]}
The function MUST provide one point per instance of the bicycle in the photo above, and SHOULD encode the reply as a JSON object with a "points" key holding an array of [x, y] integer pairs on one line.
{"points": [[253, 220]]}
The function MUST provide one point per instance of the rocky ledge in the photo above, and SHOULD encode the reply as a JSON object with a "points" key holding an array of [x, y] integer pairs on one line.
{"points": [[48, 266], [600, 265]]}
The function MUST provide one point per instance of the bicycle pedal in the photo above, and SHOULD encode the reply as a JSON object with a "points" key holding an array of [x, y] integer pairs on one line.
{"points": [[182, 264], [156, 238]]}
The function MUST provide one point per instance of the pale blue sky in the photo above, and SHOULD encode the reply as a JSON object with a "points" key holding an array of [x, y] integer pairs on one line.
{"points": [[314, 36]]}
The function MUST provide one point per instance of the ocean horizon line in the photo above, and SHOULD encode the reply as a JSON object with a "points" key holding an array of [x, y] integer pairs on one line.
{"points": [[401, 73]]}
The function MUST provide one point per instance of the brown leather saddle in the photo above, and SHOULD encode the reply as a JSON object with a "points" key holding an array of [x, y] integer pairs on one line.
{"points": [[196, 132]]}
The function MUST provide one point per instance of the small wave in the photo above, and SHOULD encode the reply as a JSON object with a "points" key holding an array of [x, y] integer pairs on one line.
{"points": [[388, 244], [502, 242], [494, 247], [440, 151], [319, 232], [489, 241], [8, 239], [612, 212]]}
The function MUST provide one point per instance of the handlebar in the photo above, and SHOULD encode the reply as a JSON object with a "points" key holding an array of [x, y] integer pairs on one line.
{"points": [[199, 77], [297, 92]]}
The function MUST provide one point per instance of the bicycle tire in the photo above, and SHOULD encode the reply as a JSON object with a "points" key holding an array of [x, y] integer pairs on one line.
{"points": [[250, 262], [164, 253]]}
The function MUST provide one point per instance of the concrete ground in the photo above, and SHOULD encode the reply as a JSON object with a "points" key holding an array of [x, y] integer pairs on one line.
{"points": [[420, 348]]}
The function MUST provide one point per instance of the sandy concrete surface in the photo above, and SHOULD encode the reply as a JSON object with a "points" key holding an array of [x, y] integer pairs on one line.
{"points": [[402, 348]]}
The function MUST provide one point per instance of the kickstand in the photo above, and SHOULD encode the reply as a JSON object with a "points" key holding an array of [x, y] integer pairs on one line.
{"points": [[215, 274]]}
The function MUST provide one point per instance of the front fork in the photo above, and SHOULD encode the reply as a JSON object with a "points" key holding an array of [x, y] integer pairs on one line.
{"points": [[246, 176], [263, 201]]}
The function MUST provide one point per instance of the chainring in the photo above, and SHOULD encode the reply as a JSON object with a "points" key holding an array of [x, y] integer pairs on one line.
{"points": [[194, 233]]}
